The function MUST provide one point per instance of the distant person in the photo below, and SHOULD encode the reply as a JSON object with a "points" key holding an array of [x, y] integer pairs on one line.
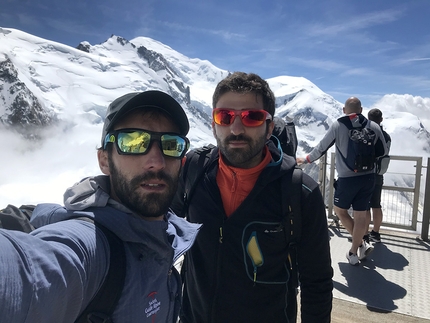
{"points": [[238, 269], [352, 187], [375, 115], [51, 274]]}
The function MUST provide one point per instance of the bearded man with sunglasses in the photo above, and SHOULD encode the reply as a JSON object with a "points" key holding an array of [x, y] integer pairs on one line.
{"points": [[238, 268], [51, 274]]}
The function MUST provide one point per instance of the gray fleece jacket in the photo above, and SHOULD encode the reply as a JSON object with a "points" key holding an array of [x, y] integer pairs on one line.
{"points": [[51, 274], [338, 134]]}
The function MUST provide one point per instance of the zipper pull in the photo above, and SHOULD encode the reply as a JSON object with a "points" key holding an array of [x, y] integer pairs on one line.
{"points": [[220, 235]]}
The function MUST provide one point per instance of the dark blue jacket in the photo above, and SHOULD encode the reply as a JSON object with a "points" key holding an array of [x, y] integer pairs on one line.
{"points": [[225, 281]]}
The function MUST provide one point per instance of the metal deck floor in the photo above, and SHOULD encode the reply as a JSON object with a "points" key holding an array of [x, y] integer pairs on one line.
{"points": [[394, 278]]}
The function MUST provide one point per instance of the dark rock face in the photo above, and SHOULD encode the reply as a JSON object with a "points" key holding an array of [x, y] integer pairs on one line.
{"points": [[8, 73], [21, 108], [158, 62], [85, 47]]}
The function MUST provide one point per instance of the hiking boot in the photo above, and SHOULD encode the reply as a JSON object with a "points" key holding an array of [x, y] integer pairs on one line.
{"points": [[364, 250], [353, 259], [374, 236]]}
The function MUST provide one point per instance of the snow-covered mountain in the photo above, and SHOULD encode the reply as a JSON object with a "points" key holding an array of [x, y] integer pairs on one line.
{"points": [[53, 100]]}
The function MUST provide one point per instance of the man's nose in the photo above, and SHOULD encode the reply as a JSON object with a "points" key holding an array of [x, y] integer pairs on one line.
{"points": [[237, 127], [155, 157]]}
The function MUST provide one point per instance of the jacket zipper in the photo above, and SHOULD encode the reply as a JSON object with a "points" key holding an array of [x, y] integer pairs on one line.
{"points": [[218, 273]]}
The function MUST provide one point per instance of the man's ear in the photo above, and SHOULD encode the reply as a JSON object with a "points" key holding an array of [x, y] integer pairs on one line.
{"points": [[102, 156], [270, 128]]}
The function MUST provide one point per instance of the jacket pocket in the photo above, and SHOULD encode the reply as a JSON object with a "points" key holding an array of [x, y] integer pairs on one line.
{"points": [[265, 253]]}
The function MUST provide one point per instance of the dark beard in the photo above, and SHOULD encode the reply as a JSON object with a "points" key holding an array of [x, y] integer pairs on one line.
{"points": [[150, 205], [242, 158]]}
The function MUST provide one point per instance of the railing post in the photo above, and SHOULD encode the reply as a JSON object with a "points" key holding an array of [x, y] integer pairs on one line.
{"points": [[426, 208], [322, 174], [331, 189], [417, 187]]}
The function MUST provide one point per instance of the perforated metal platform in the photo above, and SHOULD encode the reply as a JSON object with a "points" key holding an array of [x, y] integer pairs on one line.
{"points": [[394, 278]]}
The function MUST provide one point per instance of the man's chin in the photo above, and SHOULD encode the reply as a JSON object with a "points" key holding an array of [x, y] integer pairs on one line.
{"points": [[155, 204], [236, 155], [151, 211]]}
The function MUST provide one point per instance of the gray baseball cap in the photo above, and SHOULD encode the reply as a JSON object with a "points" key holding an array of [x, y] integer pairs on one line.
{"points": [[150, 99]]}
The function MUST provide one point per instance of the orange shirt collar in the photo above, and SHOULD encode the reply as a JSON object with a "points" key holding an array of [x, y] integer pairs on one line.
{"points": [[235, 183]]}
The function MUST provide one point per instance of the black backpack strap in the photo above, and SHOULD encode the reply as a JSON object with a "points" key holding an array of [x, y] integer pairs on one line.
{"points": [[291, 206], [196, 166], [102, 306]]}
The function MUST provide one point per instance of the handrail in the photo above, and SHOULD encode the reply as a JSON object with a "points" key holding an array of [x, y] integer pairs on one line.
{"points": [[415, 191]]}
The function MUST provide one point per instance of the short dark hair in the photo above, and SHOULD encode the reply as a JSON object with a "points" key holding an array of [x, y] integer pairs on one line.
{"points": [[240, 82], [375, 115]]}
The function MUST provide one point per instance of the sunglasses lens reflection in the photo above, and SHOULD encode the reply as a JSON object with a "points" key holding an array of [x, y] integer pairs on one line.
{"points": [[250, 118], [138, 142]]}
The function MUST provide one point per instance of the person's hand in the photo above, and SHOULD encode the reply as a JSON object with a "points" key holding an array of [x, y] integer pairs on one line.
{"points": [[300, 161]]}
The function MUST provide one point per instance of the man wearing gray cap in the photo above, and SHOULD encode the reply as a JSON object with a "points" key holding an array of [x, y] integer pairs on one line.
{"points": [[53, 273]]}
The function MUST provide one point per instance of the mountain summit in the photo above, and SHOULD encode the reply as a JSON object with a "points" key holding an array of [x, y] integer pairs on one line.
{"points": [[53, 100]]}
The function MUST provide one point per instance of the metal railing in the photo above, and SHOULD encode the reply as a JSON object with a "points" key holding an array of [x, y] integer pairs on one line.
{"points": [[400, 193], [426, 206]]}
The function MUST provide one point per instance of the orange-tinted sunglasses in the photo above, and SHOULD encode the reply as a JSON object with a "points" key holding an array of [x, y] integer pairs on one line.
{"points": [[249, 118]]}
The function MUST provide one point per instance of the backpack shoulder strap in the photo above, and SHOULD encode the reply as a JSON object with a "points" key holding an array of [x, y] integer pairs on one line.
{"points": [[195, 169], [345, 121], [292, 200], [292, 210], [102, 306]]}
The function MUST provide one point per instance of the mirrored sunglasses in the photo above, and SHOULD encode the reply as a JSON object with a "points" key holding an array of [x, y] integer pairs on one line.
{"points": [[249, 118], [132, 141]]}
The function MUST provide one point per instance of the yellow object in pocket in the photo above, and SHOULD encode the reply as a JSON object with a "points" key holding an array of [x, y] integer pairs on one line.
{"points": [[254, 251]]}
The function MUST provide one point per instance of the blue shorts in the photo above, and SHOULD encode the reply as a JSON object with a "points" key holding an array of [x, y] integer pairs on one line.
{"points": [[355, 191]]}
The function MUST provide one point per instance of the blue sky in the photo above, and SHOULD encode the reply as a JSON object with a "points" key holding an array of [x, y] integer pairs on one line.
{"points": [[364, 48]]}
